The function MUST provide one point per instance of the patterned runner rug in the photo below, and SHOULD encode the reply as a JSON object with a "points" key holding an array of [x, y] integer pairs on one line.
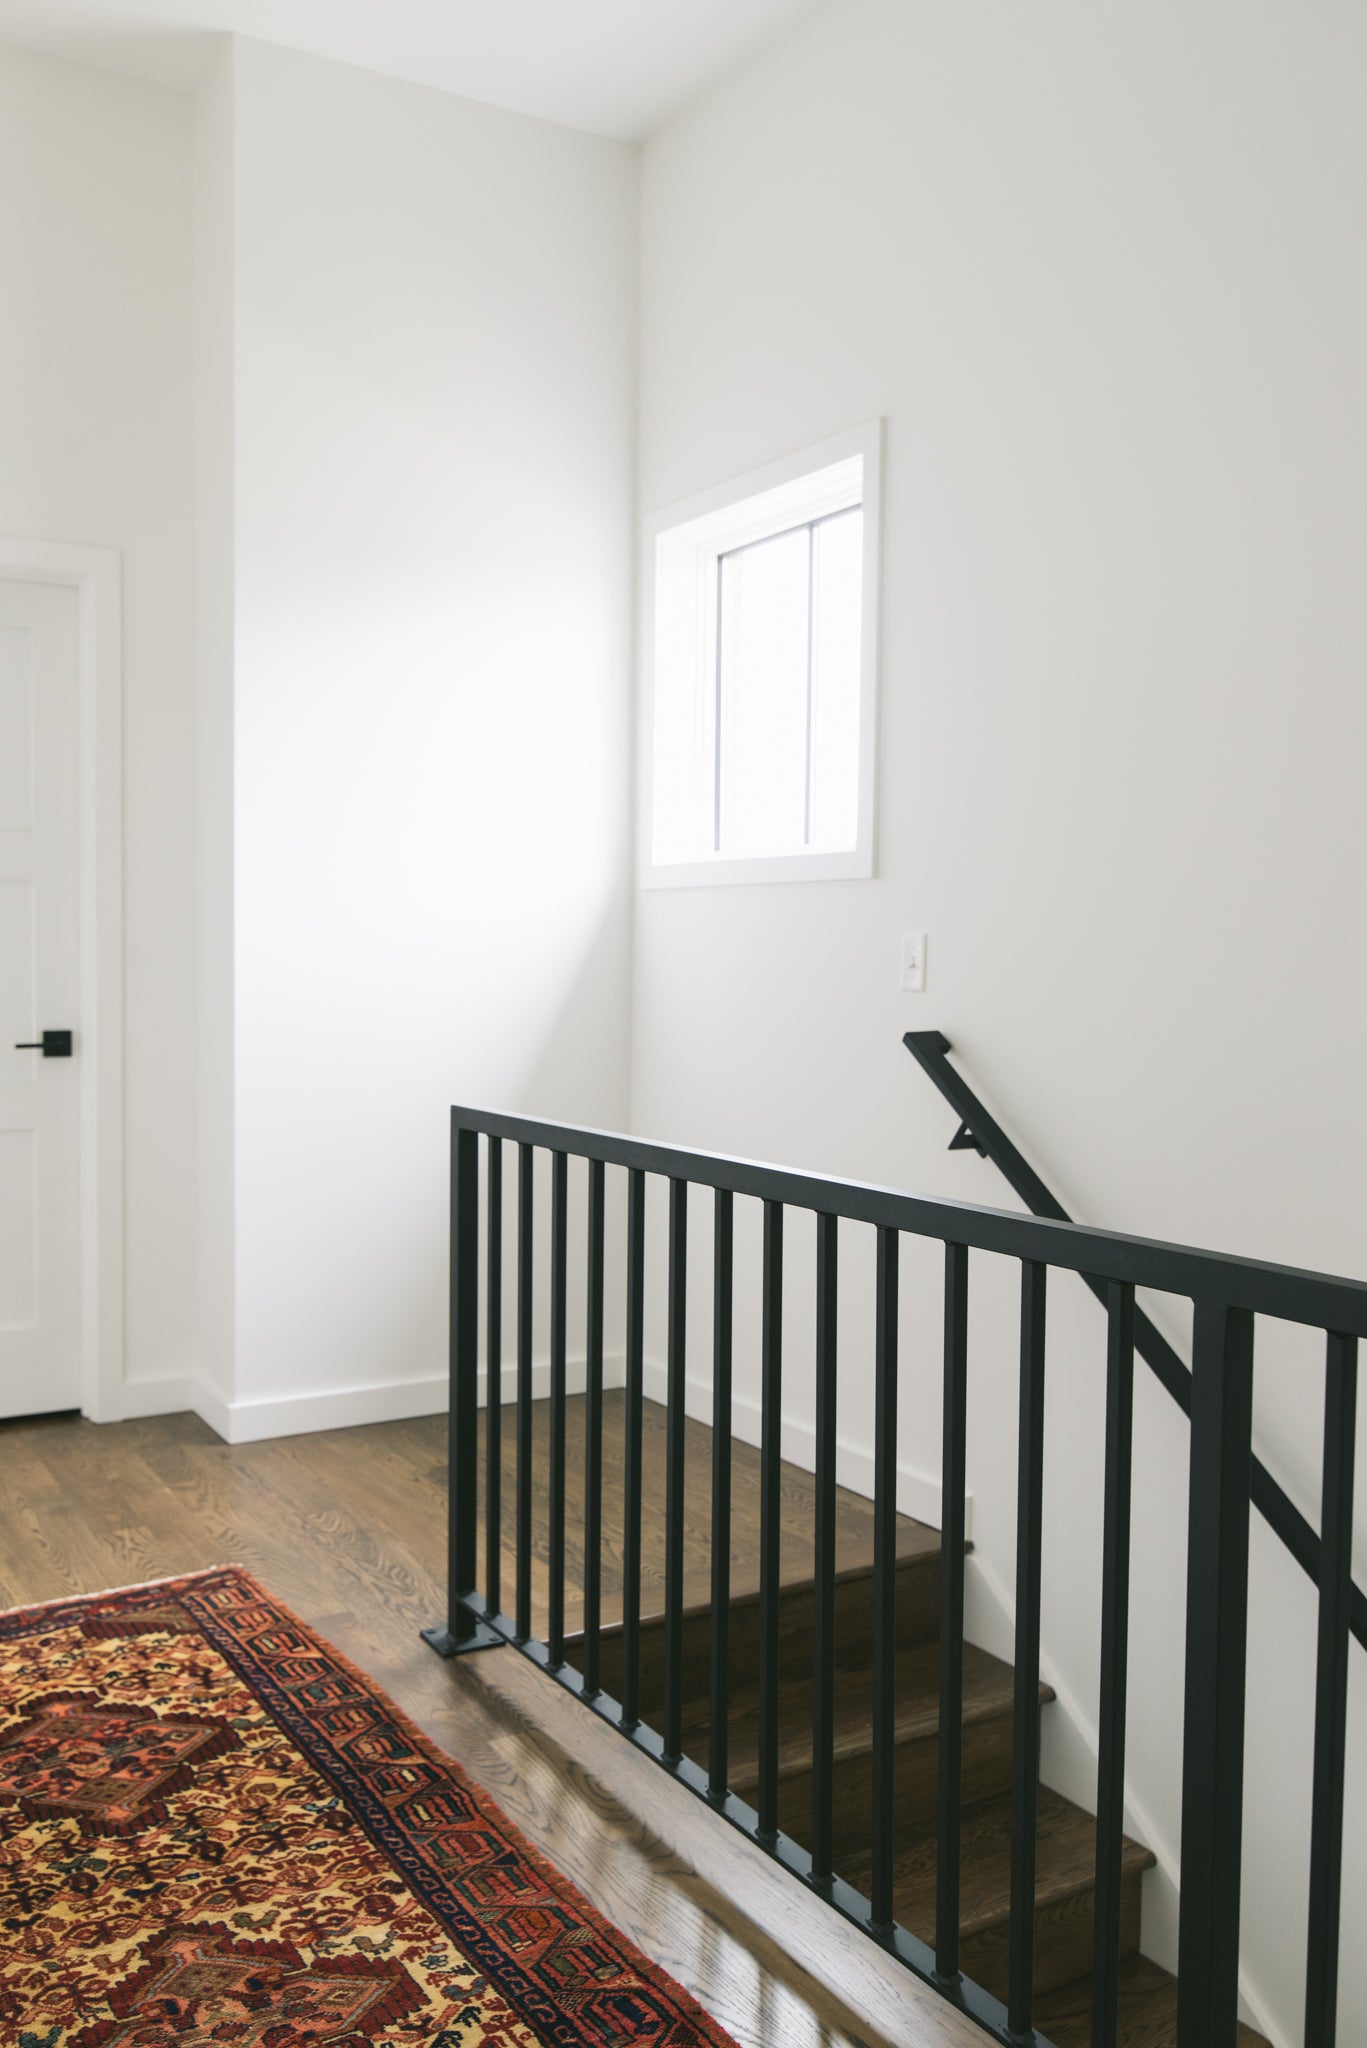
{"points": [[216, 1833]]}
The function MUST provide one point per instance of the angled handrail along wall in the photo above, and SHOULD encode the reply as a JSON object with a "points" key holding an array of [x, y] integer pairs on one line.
{"points": [[980, 1131]]}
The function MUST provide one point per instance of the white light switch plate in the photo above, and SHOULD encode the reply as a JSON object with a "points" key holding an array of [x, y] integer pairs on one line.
{"points": [[914, 962]]}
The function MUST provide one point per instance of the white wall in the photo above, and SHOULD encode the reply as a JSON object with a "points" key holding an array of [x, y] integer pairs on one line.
{"points": [[95, 407], [433, 399], [346, 368], [1101, 271]]}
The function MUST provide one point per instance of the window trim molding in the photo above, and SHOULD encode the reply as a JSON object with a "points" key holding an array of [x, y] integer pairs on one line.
{"points": [[858, 862]]}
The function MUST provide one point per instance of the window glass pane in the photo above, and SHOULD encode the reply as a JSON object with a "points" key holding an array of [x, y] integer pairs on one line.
{"points": [[762, 737], [836, 660]]}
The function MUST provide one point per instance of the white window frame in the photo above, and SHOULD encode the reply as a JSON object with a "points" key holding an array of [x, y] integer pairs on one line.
{"points": [[717, 533]]}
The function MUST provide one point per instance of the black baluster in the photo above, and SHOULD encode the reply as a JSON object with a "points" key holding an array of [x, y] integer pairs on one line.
{"points": [[676, 1360], [1115, 1622], [1216, 1676], [593, 1434], [823, 1589], [953, 1495], [884, 1575], [1331, 1693], [463, 1423], [631, 1463], [718, 1766], [462, 1629], [559, 1270], [1025, 1743], [493, 1385], [526, 1161], [770, 1524]]}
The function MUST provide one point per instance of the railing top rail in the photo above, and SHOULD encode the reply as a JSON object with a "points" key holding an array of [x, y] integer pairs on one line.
{"points": [[1321, 1300]]}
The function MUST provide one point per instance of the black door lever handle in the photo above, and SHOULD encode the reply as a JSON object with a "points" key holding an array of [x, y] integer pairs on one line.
{"points": [[53, 1045]]}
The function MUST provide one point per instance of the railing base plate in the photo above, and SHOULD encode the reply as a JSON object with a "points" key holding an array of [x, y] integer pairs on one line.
{"points": [[447, 1645]]}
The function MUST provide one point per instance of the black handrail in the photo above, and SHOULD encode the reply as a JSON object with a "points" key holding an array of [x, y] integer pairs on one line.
{"points": [[979, 1129], [1294, 1294], [1227, 1294]]}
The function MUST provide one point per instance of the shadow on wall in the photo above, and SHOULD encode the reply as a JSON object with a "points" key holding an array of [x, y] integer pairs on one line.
{"points": [[583, 1072], [578, 1075]]}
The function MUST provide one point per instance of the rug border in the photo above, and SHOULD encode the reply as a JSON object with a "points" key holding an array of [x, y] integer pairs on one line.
{"points": [[528, 1996], [175, 1582]]}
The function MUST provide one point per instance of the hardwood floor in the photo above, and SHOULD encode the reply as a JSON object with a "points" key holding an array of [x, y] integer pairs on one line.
{"points": [[349, 1528]]}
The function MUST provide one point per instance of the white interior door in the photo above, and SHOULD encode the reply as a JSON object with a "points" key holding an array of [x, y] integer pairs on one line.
{"points": [[40, 1130]]}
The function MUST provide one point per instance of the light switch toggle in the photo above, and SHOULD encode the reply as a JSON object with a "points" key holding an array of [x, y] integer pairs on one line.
{"points": [[914, 962]]}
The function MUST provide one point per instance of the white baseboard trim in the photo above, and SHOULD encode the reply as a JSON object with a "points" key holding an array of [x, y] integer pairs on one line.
{"points": [[178, 1394], [918, 1493], [576, 1378], [213, 1408], [249, 1422], [136, 1399]]}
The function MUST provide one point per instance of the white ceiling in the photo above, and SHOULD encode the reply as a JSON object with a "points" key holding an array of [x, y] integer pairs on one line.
{"points": [[616, 67]]}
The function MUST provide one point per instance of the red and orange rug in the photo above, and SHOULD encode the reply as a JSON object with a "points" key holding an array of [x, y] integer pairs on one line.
{"points": [[216, 1833]]}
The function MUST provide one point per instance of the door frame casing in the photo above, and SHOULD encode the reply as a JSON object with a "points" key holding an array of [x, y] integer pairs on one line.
{"points": [[95, 574]]}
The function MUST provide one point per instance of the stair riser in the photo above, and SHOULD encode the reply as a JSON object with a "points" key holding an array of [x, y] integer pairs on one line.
{"points": [[1063, 1942], [916, 1766], [918, 1617], [918, 1614]]}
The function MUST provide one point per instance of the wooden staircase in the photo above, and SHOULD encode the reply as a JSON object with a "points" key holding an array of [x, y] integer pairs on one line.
{"points": [[1066, 1834]]}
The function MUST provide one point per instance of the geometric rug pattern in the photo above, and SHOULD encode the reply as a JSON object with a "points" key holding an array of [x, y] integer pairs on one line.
{"points": [[216, 1833]]}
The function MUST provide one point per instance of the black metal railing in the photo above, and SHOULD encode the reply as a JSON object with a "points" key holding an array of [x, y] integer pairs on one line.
{"points": [[1228, 1295]]}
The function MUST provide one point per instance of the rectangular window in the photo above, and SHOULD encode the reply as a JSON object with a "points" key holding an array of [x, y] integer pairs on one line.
{"points": [[759, 700]]}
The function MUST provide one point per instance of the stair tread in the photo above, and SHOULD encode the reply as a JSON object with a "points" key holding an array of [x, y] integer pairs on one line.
{"points": [[1065, 1858], [1148, 2011], [988, 1691], [915, 1544]]}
